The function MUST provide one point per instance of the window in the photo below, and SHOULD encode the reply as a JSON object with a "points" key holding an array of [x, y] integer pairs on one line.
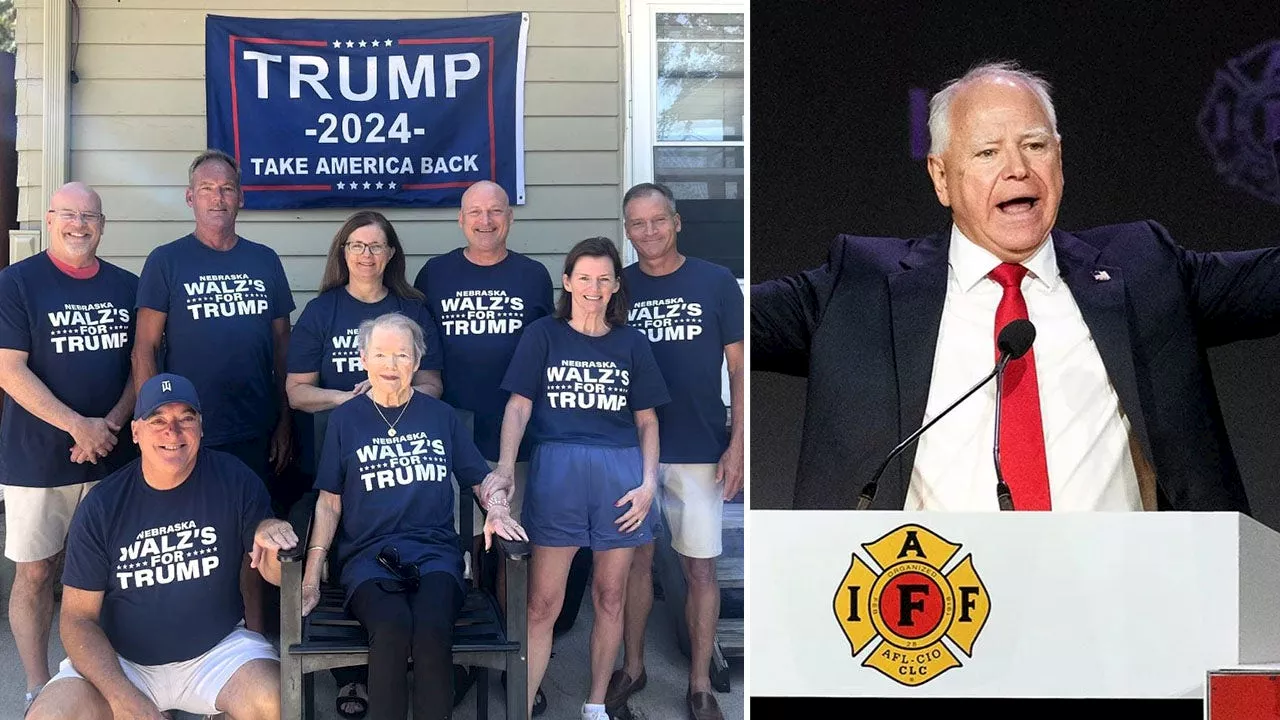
{"points": [[688, 119]]}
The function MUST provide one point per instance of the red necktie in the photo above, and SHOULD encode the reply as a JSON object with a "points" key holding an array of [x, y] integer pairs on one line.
{"points": [[1022, 459]]}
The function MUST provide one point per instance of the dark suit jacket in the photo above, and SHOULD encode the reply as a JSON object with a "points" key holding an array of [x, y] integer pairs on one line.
{"points": [[863, 329]]}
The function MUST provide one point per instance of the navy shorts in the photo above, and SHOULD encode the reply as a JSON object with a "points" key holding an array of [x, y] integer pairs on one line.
{"points": [[571, 494]]}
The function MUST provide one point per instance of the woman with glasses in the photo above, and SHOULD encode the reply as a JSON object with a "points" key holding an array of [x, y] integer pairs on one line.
{"points": [[385, 490], [364, 278], [589, 385]]}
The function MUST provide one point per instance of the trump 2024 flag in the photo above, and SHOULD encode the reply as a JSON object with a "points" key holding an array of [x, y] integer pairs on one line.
{"points": [[368, 113]]}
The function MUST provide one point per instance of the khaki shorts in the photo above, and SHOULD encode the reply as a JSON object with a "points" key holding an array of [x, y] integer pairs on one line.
{"points": [[191, 685], [37, 519], [693, 504]]}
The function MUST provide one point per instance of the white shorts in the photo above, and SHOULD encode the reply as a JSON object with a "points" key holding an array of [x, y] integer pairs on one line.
{"points": [[517, 499], [37, 519], [693, 504], [191, 685]]}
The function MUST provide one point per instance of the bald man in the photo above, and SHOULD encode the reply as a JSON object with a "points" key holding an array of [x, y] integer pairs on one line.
{"points": [[482, 296], [66, 331]]}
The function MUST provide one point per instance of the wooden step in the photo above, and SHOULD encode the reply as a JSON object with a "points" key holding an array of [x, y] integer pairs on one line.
{"points": [[730, 637], [729, 571], [729, 566], [733, 516]]}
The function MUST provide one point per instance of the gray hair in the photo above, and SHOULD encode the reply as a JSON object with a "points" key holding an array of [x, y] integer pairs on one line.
{"points": [[208, 156], [940, 103], [648, 189], [393, 321]]}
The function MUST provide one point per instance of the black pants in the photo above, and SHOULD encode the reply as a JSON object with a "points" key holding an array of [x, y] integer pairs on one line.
{"points": [[347, 675], [420, 622]]}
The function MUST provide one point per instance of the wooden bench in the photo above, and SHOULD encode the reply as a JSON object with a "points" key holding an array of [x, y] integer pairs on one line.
{"points": [[329, 637]]}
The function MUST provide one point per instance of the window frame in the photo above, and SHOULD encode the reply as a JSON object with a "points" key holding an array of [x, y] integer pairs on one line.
{"points": [[642, 95]]}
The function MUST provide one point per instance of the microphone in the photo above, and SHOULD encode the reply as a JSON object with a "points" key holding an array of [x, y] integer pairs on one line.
{"points": [[1013, 342]]}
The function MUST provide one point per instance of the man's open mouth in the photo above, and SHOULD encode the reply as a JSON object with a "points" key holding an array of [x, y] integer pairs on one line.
{"points": [[1014, 206]]}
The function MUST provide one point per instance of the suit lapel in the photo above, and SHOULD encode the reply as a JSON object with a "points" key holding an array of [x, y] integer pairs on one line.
{"points": [[916, 297], [1099, 291]]}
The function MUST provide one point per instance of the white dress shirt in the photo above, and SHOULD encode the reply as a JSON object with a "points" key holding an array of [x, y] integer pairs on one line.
{"points": [[1086, 434]]}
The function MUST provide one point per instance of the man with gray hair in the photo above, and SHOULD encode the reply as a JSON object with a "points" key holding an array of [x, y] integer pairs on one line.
{"points": [[691, 312], [217, 305], [66, 321], [1114, 406]]}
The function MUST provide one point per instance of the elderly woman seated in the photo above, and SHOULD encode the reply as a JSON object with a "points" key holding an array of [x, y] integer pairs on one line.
{"points": [[387, 460]]}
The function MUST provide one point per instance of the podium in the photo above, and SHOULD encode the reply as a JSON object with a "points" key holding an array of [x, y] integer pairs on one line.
{"points": [[1008, 605]]}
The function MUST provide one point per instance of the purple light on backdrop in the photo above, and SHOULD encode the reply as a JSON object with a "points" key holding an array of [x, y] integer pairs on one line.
{"points": [[1240, 120], [918, 101]]}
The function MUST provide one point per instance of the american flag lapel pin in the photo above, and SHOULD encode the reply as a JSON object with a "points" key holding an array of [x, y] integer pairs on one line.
{"points": [[1101, 275]]}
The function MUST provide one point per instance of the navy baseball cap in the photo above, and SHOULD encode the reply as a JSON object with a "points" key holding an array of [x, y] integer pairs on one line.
{"points": [[163, 389]]}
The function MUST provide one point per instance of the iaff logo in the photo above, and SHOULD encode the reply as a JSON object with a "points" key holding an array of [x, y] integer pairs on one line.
{"points": [[913, 608]]}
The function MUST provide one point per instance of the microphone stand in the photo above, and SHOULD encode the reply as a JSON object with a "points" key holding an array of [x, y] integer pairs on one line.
{"points": [[1003, 497], [869, 490]]}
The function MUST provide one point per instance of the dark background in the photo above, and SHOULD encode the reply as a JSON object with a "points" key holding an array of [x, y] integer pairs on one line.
{"points": [[831, 153]]}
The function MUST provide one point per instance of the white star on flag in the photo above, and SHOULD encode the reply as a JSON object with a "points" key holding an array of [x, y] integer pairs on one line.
{"points": [[342, 186], [366, 185], [391, 186], [363, 43], [337, 43], [350, 44], [388, 42], [378, 185]]}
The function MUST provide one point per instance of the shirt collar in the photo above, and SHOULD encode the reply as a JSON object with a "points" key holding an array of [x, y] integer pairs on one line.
{"points": [[971, 263]]}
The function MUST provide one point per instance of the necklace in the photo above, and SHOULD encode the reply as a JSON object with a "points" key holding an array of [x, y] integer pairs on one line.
{"points": [[391, 426]]}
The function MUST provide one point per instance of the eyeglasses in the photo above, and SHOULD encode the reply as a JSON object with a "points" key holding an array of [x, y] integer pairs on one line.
{"points": [[88, 218], [407, 575], [359, 248]]}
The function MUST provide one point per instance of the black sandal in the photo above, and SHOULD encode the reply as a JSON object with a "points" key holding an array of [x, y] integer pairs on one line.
{"points": [[352, 697]]}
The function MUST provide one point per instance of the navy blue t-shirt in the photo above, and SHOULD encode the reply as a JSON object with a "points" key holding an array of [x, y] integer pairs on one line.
{"points": [[220, 306], [585, 389], [689, 316], [481, 311], [324, 341], [77, 335], [167, 561], [397, 490]]}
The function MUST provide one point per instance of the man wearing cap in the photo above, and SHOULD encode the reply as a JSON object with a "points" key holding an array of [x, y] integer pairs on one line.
{"points": [[152, 615], [65, 334]]}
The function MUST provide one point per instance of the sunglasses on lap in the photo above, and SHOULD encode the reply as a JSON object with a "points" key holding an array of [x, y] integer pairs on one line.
{"points": [[406, 574]]}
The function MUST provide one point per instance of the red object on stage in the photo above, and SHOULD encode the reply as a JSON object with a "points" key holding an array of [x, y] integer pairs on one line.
{"points": [[1244, 695]]}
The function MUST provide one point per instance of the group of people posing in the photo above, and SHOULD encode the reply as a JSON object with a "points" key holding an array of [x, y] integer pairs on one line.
{"points": [[575, 419]]}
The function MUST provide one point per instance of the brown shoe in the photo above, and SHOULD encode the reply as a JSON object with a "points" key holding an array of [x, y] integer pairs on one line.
{"points": [[703, 706], [621, 687]]}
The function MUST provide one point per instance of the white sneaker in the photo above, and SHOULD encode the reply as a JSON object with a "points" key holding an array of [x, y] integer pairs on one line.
{"points": [[594, 712]]}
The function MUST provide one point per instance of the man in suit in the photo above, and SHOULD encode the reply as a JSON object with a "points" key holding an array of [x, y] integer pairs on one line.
{"points": [[1112, 409]]}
